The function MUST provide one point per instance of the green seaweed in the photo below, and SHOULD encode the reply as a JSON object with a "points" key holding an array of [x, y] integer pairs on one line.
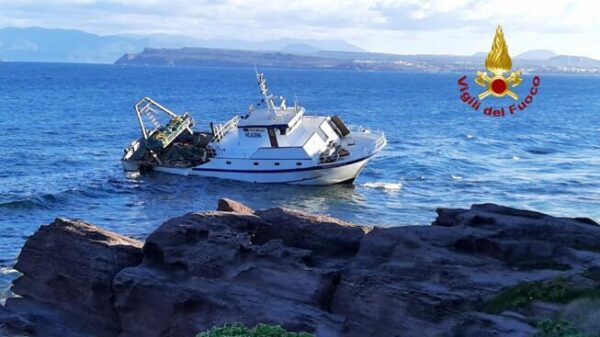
{"points": [[556, 291], [561, 328], [260, 330]]}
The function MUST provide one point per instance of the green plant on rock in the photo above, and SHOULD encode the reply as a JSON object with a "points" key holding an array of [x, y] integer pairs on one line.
{"points": [[261, 330], [562, 328], [556, 291]]}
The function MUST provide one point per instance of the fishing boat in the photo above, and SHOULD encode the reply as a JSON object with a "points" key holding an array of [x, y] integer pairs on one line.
{"points": [[272, 143]]}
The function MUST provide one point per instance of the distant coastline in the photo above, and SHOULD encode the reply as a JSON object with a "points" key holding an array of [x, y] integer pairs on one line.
{"points": [[346, 67], [37, 44], [349, 60]]}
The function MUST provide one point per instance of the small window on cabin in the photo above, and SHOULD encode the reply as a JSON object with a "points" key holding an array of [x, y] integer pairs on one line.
{"points": [[276, 164], [255, 163], [245, 129], [298, 164], [228, 162], [323, 136]]}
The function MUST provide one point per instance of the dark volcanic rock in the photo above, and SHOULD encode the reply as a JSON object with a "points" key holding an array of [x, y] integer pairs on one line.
{"points": [[68, 267], [320, 234], [11, 323], [228, 205], [305, 272], [204, 269]]}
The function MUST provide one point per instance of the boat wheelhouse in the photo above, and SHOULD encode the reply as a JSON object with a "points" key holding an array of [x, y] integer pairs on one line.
{"points": [[274, 144]]}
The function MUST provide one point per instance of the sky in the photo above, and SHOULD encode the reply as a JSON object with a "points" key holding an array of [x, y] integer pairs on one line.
{"points": [[460, 27]]}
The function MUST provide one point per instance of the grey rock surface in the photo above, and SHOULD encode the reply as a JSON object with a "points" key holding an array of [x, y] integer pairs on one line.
{"points": [[302, 271]]}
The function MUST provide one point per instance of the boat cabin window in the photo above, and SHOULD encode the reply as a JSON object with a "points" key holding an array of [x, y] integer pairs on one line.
{"points": [[255, 163], [340, 126], [272, 137], [228, 162], [323, 136], [276, 164], [298, 164]]}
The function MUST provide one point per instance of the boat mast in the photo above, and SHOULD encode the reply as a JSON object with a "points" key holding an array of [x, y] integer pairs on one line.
{"points": [[264, 90]]}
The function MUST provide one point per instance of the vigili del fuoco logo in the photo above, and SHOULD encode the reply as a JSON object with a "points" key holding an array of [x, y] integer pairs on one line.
{"points": [[496, 84]]}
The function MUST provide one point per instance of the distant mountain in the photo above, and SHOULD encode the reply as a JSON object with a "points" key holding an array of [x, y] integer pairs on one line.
{"points": [[61, 45], [68, 45], [573, 61], [480, 54], [299, 48], [333, 45], [536, 54], [345, 60], [279, 44]]}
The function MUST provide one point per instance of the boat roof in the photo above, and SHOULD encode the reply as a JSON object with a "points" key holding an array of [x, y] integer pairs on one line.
{"points": [[278, 118]]}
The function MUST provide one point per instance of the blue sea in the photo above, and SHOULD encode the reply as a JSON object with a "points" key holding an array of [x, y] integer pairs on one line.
{"points": [[64, 127]]}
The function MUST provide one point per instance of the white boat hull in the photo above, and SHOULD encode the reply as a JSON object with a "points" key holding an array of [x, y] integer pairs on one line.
{"points": [[327, 174], [319, 175]]}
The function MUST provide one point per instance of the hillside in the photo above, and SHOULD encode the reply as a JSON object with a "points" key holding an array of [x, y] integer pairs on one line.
{"points": [[302, 57], [67, 45]]}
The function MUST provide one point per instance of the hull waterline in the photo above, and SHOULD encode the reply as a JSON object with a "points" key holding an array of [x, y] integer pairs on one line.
{"points": [[318, 175]]}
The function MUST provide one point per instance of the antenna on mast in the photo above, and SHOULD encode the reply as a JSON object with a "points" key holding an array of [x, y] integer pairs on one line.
{"points": [[264, 90], [296, 106]]}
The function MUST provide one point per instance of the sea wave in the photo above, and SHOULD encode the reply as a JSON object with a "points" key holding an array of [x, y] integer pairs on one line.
{"points": [[540, 151], [384, 185], [91, 190], [44, 201]]}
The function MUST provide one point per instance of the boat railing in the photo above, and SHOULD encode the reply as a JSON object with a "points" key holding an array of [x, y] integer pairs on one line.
{"points": [[377, 145], [356, 128], [220, 130], [366, 151]]}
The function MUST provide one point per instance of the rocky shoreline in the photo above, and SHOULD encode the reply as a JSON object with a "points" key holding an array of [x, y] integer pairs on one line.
{"points": [[485, 271]]}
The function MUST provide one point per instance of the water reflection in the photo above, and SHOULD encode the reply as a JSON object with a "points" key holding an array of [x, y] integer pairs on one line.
{"points": [[175, 193]]}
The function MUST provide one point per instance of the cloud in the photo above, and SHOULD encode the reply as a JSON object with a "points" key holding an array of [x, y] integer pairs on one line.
{"points": [[432, 26]]}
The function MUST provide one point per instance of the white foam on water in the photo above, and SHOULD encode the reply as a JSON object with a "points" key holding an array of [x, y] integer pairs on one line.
{"points": [[384, 186], [516, 158], [7, 274], [7, 270], [456, 177], [470, 136]]}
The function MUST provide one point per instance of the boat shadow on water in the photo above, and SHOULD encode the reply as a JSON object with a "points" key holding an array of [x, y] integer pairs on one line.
{"points": [[202, 192]]}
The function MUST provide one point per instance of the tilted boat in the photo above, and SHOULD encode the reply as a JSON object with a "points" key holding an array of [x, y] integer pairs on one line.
{"points": [[273, 144]]}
